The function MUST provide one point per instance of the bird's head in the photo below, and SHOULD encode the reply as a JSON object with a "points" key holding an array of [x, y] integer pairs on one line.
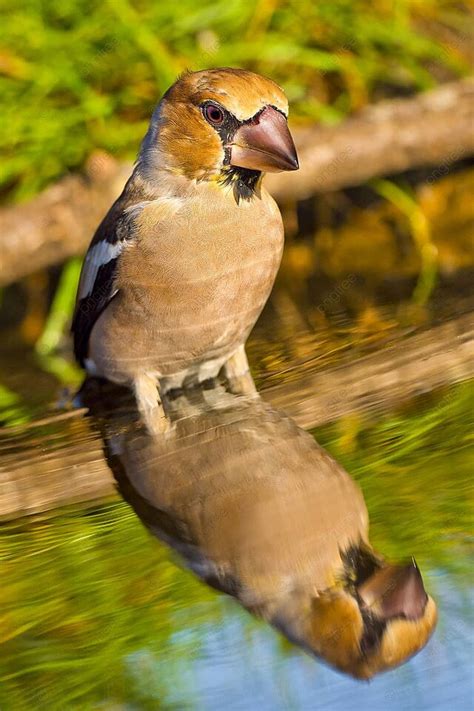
{"points": [[220, 124], [375, 619]]}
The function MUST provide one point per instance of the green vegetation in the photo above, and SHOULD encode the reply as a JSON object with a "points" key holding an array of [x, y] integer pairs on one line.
{"points": [[83, 74], [415, 469], [421, 233], [91, 605], [81, 595]]}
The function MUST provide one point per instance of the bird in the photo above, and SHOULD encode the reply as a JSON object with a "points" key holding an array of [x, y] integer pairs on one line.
{"points": [[181, 266], [258, 510]]}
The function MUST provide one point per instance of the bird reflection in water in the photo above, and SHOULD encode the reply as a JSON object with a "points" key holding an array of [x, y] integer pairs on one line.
{"points": [[257, 509]]}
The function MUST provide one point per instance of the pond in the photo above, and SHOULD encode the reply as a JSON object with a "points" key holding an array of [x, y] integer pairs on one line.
{"points": [[98, 614]]}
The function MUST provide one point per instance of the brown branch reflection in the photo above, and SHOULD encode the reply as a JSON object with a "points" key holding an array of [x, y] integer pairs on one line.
{"points": [[257, 509]]}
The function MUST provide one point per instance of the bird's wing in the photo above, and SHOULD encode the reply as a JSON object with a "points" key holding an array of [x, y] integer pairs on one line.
{"points": [[97, 282]]}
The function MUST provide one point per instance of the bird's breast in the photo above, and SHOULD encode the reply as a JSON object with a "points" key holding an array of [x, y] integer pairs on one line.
{"points": [[215, 239], [194, 284], [216, 260]]}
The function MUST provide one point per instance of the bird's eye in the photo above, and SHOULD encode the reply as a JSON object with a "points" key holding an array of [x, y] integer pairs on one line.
{"points": [[213, 114]]}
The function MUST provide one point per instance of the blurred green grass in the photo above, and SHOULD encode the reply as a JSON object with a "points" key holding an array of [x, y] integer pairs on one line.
{"points": [[78, 75], [415, 470], [76, 613]]}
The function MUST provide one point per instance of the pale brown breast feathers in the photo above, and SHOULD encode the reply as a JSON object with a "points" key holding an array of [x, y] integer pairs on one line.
{"points": [[206, 268]]}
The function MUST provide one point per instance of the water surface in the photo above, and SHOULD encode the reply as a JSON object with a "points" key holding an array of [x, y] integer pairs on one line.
{"points": [[97, 614]]}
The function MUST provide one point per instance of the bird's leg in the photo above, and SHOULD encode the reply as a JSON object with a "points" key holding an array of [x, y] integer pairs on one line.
{"points": [[237, 372], [149, 404]]}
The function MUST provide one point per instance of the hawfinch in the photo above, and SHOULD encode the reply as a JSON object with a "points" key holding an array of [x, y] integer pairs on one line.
{"points": [[257, 509], [182, 264]]}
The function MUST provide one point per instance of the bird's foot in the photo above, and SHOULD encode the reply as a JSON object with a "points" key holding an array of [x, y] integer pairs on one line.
{"points": [[242, 385], [150, 405], [237, 373], [156, 422]]}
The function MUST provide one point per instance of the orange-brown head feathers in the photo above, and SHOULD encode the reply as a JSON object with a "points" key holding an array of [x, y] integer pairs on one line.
{"points": [[217, 121], [376, 625]]}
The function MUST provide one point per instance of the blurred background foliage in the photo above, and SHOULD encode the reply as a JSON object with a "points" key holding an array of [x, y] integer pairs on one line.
{"points": [[78, 75]]}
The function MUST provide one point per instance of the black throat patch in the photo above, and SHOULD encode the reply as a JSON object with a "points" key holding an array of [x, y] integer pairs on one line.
{"points": [[360, 563], [245, 183]]}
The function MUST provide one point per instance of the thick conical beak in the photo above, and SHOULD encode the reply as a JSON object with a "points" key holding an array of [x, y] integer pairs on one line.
{"points": [[395, 590], [264, 144]]}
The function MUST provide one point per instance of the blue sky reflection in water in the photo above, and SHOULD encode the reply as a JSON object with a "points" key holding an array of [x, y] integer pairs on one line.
{"points": [[245, 670]]}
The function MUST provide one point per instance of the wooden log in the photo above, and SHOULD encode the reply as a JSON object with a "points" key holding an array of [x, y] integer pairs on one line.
{"points": [[58, 223], [431, 129]]}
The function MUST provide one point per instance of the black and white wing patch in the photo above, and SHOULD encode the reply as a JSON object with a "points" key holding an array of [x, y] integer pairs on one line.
{"points": [[97, 282]]}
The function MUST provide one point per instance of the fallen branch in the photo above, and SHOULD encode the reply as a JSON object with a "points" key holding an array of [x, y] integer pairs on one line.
{"points": [[60, 222], [431, 129], [31, 482]]}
